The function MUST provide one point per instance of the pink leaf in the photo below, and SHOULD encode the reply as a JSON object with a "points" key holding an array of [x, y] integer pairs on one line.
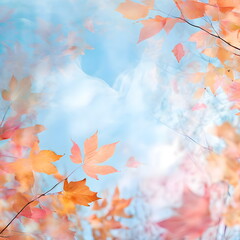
{"points": [[199, 106], [178, 51], [151, 27], [132, 163], [76, 156]]}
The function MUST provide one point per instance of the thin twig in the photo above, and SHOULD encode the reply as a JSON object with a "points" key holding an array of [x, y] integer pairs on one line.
{"points": [[36, 198], [203, 29], [4, 116], [186, 136], [212, 34]]}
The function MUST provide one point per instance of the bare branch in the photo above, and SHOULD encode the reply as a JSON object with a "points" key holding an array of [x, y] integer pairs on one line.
{"points": [[36, 198]]}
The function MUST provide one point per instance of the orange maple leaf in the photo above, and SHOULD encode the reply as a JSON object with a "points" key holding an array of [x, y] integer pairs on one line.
{"points": [[93, 156], [38, 161], [76, 193], [108, 215], [118, 205]]}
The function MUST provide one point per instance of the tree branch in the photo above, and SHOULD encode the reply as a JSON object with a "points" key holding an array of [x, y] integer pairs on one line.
{"points": [[212, 34], [36, 198], [201, 28]]}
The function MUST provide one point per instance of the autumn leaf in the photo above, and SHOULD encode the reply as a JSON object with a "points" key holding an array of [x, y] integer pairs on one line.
{"points": [[178, 51], [76, 156], [133, 10], [101, 226], [170, 23], [94, 156], [119, 205], [11, 94], [90, 166], [133, 163], [191, 9], [99, 206], [101, 223], [190, 221], [42, 161], [20, 95], [27, 137], [107, 217], [202, 39], [225, 166], [151, 27], [38, 161], [9, 127], [19, 200], [76, 193]]}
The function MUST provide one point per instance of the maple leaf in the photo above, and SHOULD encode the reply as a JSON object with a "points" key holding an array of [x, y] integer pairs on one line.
{"points": [[118, 205], [105, 221], [101, 226], [178, 51], [76, 193], [99, 206], [20, 95], [226, 166], [93, 156], [38, 161], [133, 10], [75, 45], [27, 136], [190, 221], [41, 161]]}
